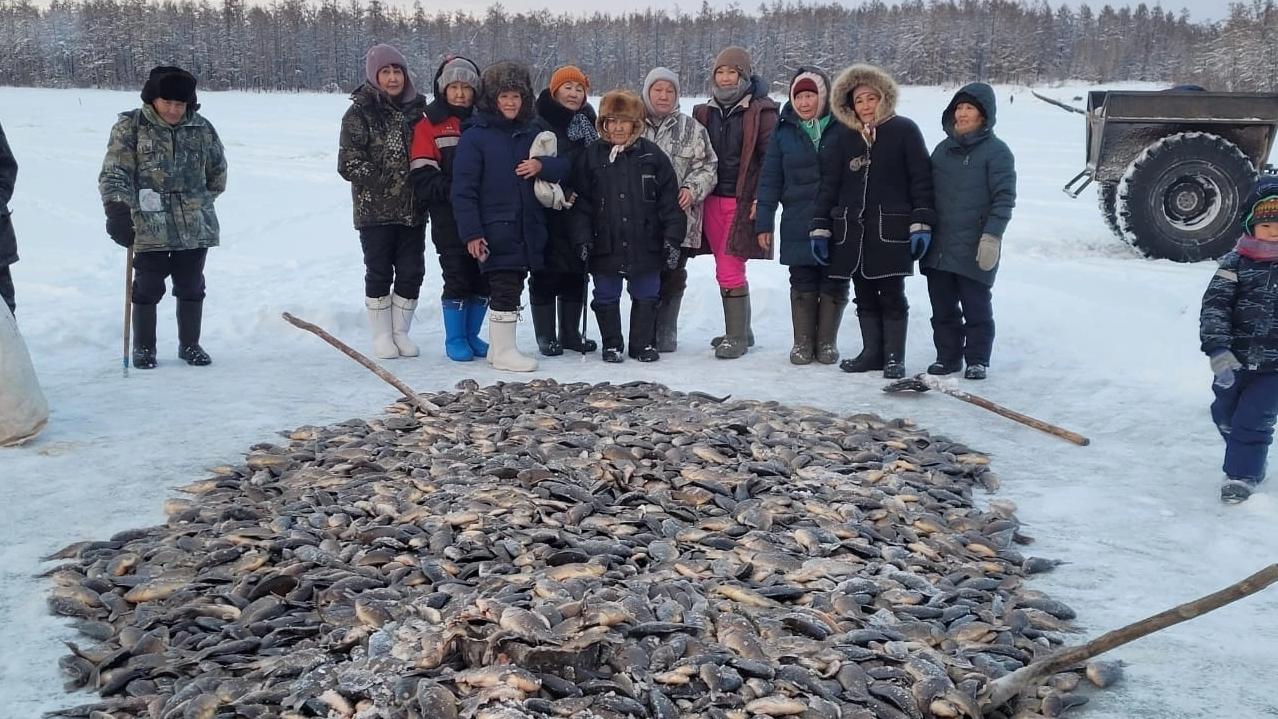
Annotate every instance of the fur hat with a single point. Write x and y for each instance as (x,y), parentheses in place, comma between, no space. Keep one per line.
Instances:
(734,57)
(1266,210)
(380,56)
(852,78)
(622,104)
(655,75)
(812,79)
(456,69)
(565,75)
(507,76)
(168,82)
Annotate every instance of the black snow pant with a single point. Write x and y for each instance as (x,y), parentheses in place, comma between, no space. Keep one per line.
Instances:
(962,318)
(6,288)
(882,298)
(813,278)
(462,278)
(544,286)
(393,255)
(507,287)
(151,269)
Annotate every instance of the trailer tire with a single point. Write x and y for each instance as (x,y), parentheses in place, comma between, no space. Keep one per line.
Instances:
(1107,198)
(1179,199)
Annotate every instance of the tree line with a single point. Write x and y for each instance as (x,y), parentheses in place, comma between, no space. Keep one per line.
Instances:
(303,45)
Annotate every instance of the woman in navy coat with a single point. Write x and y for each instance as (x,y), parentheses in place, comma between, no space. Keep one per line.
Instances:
(498,215)
(791,174)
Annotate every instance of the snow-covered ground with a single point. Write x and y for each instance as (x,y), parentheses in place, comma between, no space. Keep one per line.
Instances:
(1090,337)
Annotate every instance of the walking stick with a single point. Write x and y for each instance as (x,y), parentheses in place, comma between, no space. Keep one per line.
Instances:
(128,307)
(585,311)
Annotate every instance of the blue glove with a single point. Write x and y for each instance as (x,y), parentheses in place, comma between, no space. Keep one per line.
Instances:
(1223,364)
(820,249)
(919,242)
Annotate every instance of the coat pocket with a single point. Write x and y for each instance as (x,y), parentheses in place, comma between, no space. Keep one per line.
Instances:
(844,229)
(894,226)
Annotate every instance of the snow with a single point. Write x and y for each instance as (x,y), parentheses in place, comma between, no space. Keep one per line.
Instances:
(1091,337)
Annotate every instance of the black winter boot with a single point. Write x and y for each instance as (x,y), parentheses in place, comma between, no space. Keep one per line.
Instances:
(871,357)
(894,347)
(189,315)
(609,318)
(803,315)
(570,321)
(643,331)
(543,317)
(144,336)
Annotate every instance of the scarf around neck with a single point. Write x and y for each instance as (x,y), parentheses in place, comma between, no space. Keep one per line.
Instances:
(1256,249)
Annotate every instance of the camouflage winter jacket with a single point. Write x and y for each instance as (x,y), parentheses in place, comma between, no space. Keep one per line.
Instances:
(377,135)
(687,144)
(168,175)
(1240,312)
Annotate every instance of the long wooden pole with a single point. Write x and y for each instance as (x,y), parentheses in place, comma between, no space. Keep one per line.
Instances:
(1004,688)
(426,407)
(936,384)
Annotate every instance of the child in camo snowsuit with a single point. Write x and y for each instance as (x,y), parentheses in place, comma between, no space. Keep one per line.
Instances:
(1240,336)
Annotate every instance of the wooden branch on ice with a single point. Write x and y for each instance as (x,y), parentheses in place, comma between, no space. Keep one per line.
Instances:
(1004,688)
(426,407)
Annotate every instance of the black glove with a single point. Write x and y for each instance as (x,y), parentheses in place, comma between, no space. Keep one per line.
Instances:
(119,223)
(673,254)
(583,251)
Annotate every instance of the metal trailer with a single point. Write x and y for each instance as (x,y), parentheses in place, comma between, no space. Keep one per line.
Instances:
(1173,166)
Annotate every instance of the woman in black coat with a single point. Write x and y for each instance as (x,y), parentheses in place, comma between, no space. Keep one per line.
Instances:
(627,223)
(8,242)
(873,213)
(560,286)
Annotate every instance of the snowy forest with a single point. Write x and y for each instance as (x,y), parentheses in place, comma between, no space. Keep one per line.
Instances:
(295,45)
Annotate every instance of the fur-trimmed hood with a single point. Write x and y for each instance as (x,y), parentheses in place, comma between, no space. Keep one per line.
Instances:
(504,76)
(848,80)
(624,105)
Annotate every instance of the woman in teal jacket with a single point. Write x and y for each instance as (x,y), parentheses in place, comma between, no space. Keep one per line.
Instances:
(974,176)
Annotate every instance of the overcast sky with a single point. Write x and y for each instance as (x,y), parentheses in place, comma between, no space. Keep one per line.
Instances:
(1199,10)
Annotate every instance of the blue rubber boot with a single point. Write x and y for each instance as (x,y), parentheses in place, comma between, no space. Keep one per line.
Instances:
(476,309)
(455,344)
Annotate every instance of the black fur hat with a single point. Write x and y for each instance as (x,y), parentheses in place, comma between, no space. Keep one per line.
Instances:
(168,82)
(505,76)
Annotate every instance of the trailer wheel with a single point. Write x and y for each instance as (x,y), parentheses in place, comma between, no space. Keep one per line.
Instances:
(1179,199)
(1107,198)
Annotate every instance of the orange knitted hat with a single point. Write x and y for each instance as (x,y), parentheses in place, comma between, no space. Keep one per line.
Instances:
(566,74)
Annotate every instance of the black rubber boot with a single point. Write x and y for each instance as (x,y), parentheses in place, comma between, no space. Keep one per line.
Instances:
(543,317)
(871,357)
(894,347)
(144,336)
(189,315)
(643,331)
(803,315)
(570,321)
(736,323)
(609,318)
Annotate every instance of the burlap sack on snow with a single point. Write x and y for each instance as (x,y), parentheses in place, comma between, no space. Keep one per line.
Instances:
(23,410)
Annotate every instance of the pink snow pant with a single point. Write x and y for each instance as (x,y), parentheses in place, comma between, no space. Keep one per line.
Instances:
(717,213)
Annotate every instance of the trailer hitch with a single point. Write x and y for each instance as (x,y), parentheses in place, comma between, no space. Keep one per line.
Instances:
(1073,190)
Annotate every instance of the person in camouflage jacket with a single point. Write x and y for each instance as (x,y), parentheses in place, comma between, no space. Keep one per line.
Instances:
(1238,333)
(164,168)
(373,155)
(687,144)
